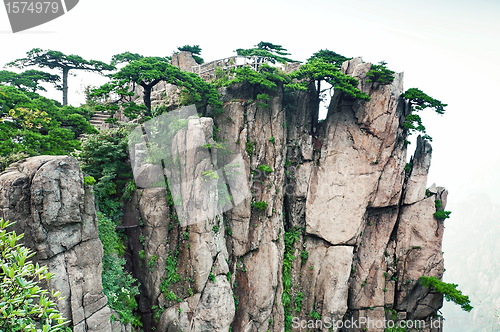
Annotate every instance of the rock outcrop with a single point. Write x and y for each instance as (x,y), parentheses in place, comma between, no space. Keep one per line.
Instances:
(48,202)
(336,225)
(259,218)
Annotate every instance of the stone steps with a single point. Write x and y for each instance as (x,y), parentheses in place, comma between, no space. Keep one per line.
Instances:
(98,120)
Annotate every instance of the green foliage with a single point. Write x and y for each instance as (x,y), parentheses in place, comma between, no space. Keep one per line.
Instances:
(209,175)
(330,57)
(380,74)
(324,66)
(29,80)
(442,215)
(291,236)
(104,156)
(449,291)
(266,78)
(195,50)
(413,122)
(171,275)
(24,304)
(129,190)
(152,261)
(304,255)
(147,72)
(263,96)
(118,285)
(272,52)
(88,180)
(36,125)
(260,205)
(169,295)
(58,60)
(299,297)
(438,203)
(395,329)
(265,168)
(315,315)
(272,139)
(211,277)
(125,57)
(408,167)
(250,148)
(420,101)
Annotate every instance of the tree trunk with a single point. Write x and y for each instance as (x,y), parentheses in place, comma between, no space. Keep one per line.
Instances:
(147,94)
(147,97)
(65,86)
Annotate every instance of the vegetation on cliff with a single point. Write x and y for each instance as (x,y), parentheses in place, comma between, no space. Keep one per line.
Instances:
(449,291)
(24,303)
(35,125)
(63,62)
(32,125)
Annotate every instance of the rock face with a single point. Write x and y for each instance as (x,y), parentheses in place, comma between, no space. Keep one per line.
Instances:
(257,219)
(336,225)
(46,198)
(184,61)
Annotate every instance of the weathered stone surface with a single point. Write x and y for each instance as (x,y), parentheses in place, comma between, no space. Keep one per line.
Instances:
(361,160)
(370,281)
(362,229)
(420,164)
(46,198)
(184,61)
(418,253)
(181,241)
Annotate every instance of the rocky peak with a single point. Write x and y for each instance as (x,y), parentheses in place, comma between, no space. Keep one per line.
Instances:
(48,202)
(330,225)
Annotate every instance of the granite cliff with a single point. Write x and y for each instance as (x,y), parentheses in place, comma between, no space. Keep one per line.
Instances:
(335,225)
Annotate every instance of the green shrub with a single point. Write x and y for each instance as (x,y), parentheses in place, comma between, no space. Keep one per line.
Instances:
(260,205)
(171,275)
(442,215)
(24,305)
(39,125)
(250,147)
(418,100)
(265,168)
(315,315)
(104,156)
(298,301)
(263,96)
(449,291)
(380,74)
(152,261)
(88,180)
(291,236)
(118,285)
(304,255)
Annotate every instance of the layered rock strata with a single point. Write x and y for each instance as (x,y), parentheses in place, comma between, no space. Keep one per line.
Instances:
(49,204)
(337,225)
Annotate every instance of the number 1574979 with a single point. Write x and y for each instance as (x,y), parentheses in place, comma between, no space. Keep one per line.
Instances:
(32,7)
